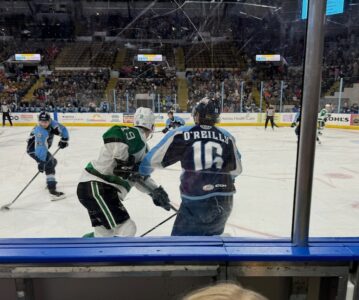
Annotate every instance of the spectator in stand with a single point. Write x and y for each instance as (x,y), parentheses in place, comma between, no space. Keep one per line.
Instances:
(345,109)
(354,108)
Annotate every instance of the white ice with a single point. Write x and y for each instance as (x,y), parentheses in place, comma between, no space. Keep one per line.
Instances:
(265,190)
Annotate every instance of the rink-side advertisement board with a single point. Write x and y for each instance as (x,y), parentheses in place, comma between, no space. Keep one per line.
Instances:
(23,117)
(239,118)
(339,120)
(354,121)
(345,121)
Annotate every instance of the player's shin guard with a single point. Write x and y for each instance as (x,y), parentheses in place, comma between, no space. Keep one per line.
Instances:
(127,228)
(51,182)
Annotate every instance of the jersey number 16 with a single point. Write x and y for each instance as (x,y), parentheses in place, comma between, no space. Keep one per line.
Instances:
(210,158)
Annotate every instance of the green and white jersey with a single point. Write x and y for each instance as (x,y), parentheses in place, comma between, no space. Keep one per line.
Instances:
(119,143)
(323,114)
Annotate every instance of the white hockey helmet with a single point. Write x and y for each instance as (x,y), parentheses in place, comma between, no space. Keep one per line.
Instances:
(145,118)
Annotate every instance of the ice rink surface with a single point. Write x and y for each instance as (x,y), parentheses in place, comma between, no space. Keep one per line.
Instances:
(263,204)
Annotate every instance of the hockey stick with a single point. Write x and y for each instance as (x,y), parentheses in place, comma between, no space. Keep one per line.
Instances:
(144,185)
(158,225)
(7,206)
(157,131)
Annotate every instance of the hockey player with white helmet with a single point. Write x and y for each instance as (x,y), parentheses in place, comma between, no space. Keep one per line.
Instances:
(210,162)
(106,181)
(323,116)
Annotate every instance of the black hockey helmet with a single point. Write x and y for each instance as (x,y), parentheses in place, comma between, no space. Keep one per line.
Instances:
(208,111)
(44,116)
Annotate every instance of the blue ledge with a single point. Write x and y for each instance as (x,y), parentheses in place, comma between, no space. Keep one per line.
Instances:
(174,249)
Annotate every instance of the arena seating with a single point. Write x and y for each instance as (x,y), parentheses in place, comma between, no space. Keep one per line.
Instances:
(208,55)
(71,89)
(86,54)
(15,87)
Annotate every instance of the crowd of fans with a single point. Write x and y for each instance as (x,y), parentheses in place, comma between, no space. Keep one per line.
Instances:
(157,86)
(239,86)
(13,88)
(72,89)
(145,71)
(341,60)
(349,109)
(72,107)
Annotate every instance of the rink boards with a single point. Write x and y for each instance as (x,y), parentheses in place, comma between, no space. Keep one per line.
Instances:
(343,121)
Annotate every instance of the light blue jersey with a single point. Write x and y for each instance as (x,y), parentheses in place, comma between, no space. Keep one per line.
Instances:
(175,122)
(41,139)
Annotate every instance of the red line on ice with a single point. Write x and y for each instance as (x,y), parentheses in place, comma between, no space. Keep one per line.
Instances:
(243,228)
(254,231)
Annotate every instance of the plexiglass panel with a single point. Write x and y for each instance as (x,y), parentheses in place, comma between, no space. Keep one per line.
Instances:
(335,202)
(235,63)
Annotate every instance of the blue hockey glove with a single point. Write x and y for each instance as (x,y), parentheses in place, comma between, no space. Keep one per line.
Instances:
(160,198)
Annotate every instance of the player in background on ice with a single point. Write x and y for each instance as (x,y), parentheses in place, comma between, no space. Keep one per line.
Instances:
(270,112)
(296,124)
(323,116)
(38,145)
(173,122)
(210,161)
(5,109)
(106,181)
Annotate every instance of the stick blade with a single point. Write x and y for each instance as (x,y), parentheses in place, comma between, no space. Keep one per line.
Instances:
(5,207)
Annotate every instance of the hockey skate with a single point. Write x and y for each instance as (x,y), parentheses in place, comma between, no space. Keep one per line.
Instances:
(56,195)
(89,235)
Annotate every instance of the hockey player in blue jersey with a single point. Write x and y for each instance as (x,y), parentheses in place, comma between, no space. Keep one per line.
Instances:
(173,122)
(210,162)
(296,123)
(38,145)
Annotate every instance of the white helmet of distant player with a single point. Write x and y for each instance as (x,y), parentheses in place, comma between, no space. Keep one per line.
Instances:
(145,118)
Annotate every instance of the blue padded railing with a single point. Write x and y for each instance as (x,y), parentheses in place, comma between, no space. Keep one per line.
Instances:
(174,249)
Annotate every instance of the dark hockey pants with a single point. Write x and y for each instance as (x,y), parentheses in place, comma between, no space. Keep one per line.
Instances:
(203,217)
(102,203)
(50,172)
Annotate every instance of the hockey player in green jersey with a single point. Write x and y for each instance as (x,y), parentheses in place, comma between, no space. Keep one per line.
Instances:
(106,181)
(323,115)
